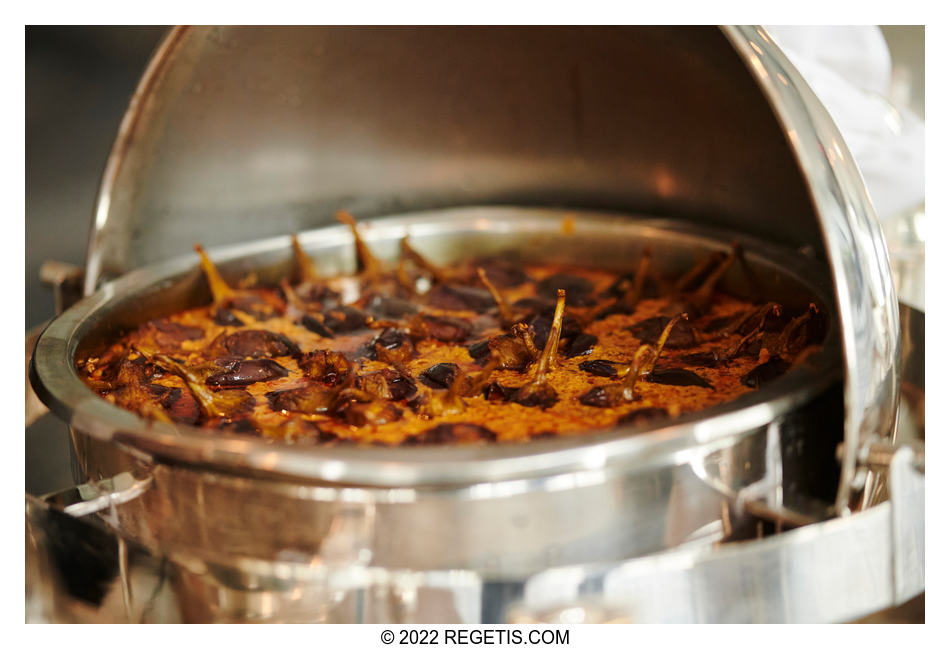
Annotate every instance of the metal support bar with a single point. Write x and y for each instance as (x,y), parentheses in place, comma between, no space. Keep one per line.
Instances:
(66,281)
(834,571)
(93,497)
(907,520)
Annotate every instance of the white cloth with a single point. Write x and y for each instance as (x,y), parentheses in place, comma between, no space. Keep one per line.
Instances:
(849,69)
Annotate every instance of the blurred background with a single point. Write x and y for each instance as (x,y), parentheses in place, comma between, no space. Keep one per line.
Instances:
(906,43)
(78,84)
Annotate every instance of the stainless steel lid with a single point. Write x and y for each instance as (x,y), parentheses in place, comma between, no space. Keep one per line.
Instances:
(239,133)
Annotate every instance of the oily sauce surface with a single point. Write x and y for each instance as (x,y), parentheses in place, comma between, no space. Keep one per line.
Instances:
(254,361)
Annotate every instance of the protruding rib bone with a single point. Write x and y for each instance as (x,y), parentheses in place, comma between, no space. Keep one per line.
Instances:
(549,355)
(537,392)
(366,261)
(793,326)
(408,252)
(295,306)
(760,314)
(698,270)
(523,331)
(648,367)
(504,309)
(644,358)
(633,295)
(305,266)
(220,290)
(703,294)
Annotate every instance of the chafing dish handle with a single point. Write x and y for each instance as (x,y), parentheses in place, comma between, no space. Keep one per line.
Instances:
(713,584)
(99,496)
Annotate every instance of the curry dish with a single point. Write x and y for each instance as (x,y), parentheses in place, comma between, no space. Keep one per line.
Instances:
(489,350)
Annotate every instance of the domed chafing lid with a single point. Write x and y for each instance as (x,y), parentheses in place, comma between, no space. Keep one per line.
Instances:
(238,133)
(854,245)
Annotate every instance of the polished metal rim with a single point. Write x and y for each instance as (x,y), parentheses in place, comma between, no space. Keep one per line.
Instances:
(854,244)
(57,383)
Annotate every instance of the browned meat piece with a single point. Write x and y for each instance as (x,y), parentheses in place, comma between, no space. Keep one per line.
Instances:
(133,391)
(703,359)
(308,399)
(440,375)
(393,346)
(511,352)
(329,368)
(315,324)
(677,376)
(253,343)
(457,297)
(444,329)
(246,372)
(215,404)
(373,413)
(580,346)
(342,318)
(503,273)
(450,401)
(540,324)
(387,384)
(383,306)
(479,350)
(455,433)
(649,331)
(181,406)
(642,416)
(167,334)
(600,367)
(294,429)
(578,289)
(767,371)
(498,393)
(422,326)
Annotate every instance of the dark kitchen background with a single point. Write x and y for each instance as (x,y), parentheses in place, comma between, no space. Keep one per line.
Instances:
(78,84)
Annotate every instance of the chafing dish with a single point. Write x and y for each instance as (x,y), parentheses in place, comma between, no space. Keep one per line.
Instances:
(472,140)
